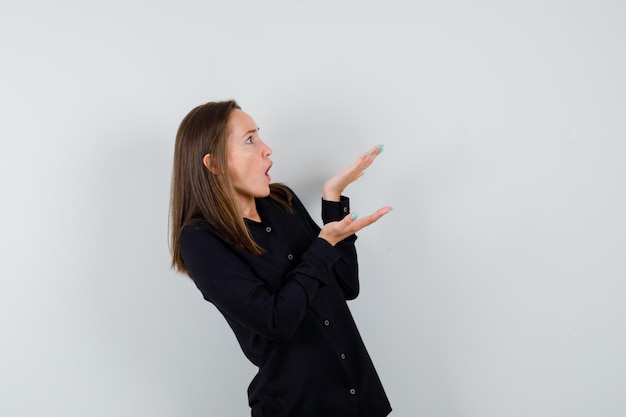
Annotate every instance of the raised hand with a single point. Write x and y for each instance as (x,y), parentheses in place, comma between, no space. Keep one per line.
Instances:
(333,188)
(335,232)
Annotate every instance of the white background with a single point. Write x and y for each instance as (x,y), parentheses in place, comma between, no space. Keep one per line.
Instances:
(497,286)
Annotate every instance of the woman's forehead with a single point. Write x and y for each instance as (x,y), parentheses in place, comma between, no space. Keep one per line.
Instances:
(240,122)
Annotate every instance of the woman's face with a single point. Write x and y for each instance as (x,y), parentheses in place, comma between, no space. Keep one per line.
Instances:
(248,157)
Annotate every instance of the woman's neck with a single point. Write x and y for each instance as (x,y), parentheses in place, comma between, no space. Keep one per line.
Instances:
(248,209)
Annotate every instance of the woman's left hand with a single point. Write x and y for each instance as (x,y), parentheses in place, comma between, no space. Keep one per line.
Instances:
(333,188)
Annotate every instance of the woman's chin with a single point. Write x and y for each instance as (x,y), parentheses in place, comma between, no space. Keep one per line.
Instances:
(265,192)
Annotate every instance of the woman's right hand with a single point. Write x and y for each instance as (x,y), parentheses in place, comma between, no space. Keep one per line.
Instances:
(333,188)
(335,232)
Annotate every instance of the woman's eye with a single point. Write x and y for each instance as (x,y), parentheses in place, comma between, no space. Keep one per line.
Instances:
(249,140)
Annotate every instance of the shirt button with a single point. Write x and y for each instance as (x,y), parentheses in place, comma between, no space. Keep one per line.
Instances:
(290,257)
(352,391)
(326,323)
(268,229)
(345,209)
(343,356)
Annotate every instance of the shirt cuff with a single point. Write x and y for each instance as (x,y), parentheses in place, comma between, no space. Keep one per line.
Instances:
(333,211)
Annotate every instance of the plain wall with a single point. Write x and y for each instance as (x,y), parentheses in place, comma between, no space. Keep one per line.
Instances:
(497,286)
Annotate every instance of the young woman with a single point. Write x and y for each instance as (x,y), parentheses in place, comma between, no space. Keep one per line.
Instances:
(279,279)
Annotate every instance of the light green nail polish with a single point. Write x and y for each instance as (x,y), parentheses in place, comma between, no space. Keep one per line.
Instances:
(367,153)
(354,216)
(381,148)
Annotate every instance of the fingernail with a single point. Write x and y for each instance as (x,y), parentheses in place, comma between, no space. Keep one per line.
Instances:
(354,216)
(381,148)
(367,153)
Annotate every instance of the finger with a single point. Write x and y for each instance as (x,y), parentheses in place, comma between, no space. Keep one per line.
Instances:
(354,171)
(366,159)
(357,223)
(376,150)
(374,217)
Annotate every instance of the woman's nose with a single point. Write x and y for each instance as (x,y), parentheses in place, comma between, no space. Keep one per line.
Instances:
(267,151)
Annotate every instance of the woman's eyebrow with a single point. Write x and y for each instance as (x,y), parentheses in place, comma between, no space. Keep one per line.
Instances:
(251,131)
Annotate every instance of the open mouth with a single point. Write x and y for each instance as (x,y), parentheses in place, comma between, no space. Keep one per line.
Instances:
(267,173)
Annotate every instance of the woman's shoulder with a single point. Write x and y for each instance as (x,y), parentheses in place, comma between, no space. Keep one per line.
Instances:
(196,224)
(198,229)
(199,240)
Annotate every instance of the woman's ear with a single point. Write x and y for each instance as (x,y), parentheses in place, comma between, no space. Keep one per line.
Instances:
(207,160)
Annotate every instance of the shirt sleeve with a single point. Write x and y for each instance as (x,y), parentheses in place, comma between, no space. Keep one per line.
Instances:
(227,278)
(347,268)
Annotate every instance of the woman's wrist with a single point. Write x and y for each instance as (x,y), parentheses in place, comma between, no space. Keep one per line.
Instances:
(331,195)
(324,236)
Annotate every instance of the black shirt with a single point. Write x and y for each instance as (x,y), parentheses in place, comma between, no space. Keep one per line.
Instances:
(288,310)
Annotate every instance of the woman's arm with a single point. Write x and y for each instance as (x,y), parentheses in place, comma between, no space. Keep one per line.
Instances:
(347,268)
(226,277)
(334,232)
(340,228)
